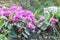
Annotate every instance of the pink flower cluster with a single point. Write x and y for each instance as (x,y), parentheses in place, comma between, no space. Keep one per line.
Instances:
(53,20)
(31,26)
(42,18)
(18,14)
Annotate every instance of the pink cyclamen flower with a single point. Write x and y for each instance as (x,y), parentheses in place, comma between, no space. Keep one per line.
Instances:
(12,19)
(19,13)
(24,12)
(31,15)
(5,13)
(1,11)
(18,17)
(13,8)
(31,26)
(27,19)
(35,22)
(42,18)
(29,12)
(19,8)
(53,20)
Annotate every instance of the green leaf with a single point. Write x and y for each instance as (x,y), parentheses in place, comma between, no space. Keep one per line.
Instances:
(1,22)
(4,17)
(9,26)
(6,23)
(43,28)
(25,35)
(3,37)
(1,25)
(37,14)
(6,31)
(18,25)
(47,16)
(27,32)
(57,16)
(12,34)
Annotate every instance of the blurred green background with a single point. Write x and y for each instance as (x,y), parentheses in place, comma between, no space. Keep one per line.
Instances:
(32,5)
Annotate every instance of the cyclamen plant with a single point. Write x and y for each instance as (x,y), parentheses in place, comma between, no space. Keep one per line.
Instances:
(14,21)
(50,16)
(50,20)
